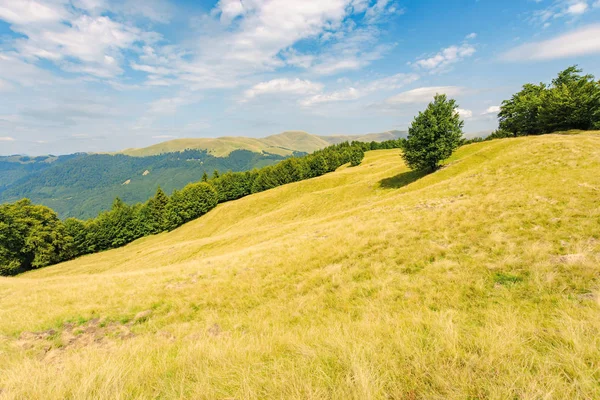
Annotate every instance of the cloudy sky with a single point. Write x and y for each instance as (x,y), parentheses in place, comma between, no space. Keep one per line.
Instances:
(103,75)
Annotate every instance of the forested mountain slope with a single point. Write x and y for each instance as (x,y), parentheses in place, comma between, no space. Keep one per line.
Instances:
(477,281)
(84,185)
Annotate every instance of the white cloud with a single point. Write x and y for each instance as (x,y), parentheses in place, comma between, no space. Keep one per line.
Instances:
(444,58)
(29,11)
(74,36)
(561,9)
(6,139)
(577,8)
(465,114)
(390,83)
(471,36)
(492,110)
(229,10)
(423,94)
(23,73)
(580,42)
(260,35)
(4,85)
(283,85)
(342,95)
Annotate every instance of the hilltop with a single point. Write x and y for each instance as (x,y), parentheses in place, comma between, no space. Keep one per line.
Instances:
(477,281)
(283,144)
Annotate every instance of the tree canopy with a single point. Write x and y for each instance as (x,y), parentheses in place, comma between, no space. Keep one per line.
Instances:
(434,134)
(571,101)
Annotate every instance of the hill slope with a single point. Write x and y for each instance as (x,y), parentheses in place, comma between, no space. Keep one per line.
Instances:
(283,144)
(477,281)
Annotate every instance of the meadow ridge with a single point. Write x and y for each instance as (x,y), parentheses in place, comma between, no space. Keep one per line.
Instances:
(372,282)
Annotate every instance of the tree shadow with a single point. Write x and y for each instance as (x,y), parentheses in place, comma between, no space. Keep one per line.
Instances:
(402,179)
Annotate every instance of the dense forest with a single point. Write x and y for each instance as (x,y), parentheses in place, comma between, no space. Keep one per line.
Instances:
(82,185)
(33,236)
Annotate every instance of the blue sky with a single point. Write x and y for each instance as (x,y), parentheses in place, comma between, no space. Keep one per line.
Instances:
(103,75)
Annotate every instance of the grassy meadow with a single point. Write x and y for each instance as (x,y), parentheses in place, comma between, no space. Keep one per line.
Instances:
(479,281)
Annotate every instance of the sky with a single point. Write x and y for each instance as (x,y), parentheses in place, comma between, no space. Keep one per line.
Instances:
(104,75)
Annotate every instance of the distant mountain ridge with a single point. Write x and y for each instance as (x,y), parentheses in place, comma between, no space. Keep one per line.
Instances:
(283,144)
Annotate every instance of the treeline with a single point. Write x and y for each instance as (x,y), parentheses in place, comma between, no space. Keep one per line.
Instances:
(570,101)
(32,236)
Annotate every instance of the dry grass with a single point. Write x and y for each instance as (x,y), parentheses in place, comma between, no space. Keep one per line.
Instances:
(478,281)
(283,144)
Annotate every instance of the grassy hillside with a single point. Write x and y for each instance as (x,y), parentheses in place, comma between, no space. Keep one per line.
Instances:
(369,137)
(283,144)
(373,282)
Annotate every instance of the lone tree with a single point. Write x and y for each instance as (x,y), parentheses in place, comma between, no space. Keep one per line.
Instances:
(434,134)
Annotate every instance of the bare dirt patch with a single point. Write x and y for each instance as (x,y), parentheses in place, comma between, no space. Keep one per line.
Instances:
(50,344)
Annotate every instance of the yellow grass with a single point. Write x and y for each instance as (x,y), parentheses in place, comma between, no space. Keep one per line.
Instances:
(477,281)
(282,144)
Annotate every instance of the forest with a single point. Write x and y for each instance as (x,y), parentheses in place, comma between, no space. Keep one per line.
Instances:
(82,185)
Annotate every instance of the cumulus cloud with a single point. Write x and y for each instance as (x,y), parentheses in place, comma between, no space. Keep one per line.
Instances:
(492,110)
(424,94)
(463,113)
(450,55)
(580,42)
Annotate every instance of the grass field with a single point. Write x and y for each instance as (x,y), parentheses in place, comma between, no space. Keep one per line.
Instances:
(479,281)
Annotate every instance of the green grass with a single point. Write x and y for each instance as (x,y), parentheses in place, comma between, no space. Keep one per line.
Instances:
(373,282)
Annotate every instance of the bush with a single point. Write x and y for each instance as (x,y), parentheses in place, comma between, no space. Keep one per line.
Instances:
(434,134)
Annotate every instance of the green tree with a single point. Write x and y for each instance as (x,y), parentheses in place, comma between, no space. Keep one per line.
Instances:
(204,177)
(520,115)
(31,236)
(157,206)
(571,101)
(434,134)
(356,155)
(191,202)
(318,166)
